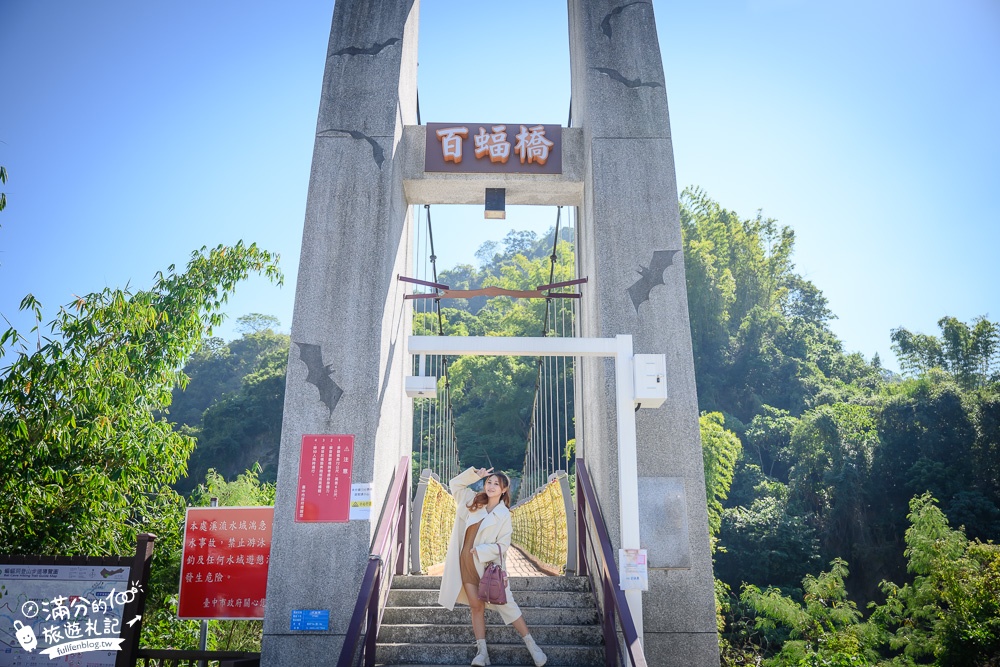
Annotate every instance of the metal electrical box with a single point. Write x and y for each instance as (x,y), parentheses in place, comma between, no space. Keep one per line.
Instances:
(421,386)
(650,376)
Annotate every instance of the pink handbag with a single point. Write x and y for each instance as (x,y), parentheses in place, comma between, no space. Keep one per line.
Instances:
(493,583)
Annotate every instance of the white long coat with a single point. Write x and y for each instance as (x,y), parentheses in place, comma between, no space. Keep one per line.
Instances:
(494,528)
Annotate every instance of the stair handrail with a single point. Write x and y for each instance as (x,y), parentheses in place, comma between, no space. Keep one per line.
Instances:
(386,547)
(590,523)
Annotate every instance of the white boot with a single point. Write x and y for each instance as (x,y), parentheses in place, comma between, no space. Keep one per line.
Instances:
(536,653)
(483,657)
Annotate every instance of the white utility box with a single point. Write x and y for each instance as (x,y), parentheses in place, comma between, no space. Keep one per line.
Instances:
(421,386)
(650,375)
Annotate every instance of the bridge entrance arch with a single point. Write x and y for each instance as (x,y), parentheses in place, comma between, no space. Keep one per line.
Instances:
(619,350)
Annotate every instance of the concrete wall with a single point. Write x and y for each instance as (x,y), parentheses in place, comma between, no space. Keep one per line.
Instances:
(630,212)
(348,302)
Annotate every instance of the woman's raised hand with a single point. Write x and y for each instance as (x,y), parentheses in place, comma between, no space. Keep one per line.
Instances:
(483,472)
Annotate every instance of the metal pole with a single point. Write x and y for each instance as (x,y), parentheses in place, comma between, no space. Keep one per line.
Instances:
(628,464)
(203,635)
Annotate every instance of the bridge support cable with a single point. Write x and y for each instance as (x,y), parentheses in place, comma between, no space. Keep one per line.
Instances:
(435,443)
(549,429)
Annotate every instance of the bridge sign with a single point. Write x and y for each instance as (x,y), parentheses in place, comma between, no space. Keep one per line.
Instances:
(497,148)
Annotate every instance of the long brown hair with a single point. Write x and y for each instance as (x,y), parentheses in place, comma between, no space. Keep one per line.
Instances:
(481,498)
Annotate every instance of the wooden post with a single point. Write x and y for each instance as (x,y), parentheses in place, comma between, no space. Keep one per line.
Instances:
(139,577)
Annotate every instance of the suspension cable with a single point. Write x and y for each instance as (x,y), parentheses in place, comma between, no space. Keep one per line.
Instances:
(442,439)
(548,430)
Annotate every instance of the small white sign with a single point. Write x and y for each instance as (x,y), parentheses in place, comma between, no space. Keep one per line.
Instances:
(634,575)
(361,502)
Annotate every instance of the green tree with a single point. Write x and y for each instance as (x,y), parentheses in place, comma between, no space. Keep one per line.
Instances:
(212,371)
(465,277)
(767,440)
(826,627)
(244,428)
(970,353)
(985,465)
(160,626)
(759,330)
(492,398)
(766,543)
(755,252)
(950,613)
(87,463)
(927,440)
(453,322)
(217,369)
(233,404)
(505,316)
(720,450)
(832,448)
(254,323)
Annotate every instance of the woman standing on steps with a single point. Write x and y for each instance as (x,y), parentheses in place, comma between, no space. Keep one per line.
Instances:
(482,529)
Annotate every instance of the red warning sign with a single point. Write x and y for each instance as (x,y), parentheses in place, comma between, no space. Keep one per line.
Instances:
(325,478)
(224,562)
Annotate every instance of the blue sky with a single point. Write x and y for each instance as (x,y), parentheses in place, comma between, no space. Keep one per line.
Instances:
(136,132)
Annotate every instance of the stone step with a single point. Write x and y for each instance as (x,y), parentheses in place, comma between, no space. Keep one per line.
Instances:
(500,654)
(425,633)
(571,584)
(583,615)
(429,598)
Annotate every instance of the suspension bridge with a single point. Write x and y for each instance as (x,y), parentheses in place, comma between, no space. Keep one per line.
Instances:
(613,564)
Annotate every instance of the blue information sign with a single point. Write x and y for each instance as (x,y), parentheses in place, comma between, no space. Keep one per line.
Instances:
(310,619)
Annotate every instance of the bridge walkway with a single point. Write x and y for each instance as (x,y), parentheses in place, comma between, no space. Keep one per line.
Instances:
(518,564)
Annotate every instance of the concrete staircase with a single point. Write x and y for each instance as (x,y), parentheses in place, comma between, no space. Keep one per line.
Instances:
(560,613)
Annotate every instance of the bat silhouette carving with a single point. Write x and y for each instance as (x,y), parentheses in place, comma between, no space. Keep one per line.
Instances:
(606,23)
(318,375)
(650,277)
(615,75)
(372,50)
(377,153)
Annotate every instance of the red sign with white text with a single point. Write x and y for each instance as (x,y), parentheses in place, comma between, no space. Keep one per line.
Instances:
(224,563)
(325,478)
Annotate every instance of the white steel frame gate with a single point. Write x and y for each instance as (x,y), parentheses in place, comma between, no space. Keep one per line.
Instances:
(618,348)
